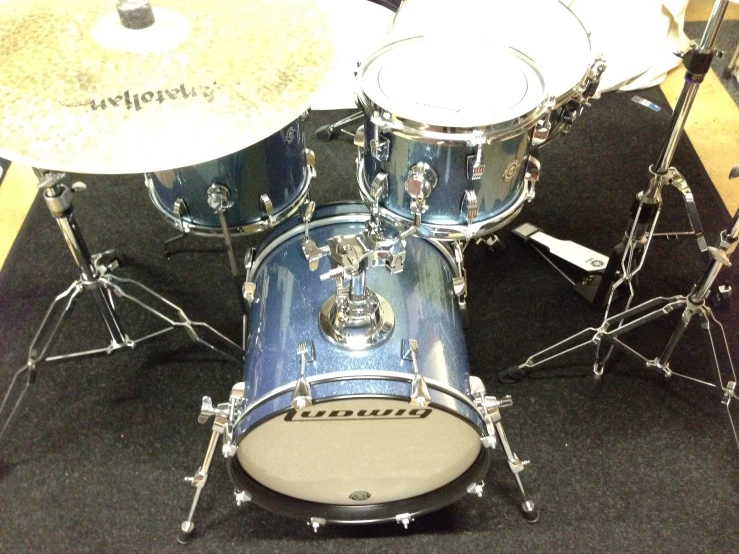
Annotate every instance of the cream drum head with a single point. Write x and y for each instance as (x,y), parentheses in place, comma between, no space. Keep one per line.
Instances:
(441,83)
(359,451)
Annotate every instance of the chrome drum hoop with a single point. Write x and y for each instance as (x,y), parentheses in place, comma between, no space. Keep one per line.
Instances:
(443,232)
(369,375)
(350,514)
(248,229)
(451,136)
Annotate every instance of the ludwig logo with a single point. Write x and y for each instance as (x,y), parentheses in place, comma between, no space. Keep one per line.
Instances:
(356,415)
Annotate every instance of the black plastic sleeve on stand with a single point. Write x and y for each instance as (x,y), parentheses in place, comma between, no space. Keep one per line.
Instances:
(647,212)
(697,63)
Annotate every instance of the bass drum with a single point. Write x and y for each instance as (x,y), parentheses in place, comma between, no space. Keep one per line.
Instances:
(361,453)
(545,30)
(264,183)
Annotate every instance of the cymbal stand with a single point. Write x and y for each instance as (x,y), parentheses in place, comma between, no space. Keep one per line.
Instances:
(648,203)
(631,253)
(98,279)
(694,304)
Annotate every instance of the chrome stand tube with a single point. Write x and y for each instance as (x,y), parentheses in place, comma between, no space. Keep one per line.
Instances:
(59,201)
(235,274)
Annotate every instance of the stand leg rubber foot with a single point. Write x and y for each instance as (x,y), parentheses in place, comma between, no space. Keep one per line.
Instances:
(511,375)
(530,511)
(185,533)
(594,386)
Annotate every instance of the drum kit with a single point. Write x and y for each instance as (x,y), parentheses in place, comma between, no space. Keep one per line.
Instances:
(215,122)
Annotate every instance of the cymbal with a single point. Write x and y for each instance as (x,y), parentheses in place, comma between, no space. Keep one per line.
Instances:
(79,92)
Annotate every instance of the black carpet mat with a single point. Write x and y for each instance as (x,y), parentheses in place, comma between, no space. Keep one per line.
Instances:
(96,460)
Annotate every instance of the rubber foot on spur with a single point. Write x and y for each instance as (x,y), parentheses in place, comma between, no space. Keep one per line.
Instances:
(185,533)
(530,511)
(324,133)
(511,375)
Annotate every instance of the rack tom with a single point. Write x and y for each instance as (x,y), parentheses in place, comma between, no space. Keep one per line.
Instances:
(461,135)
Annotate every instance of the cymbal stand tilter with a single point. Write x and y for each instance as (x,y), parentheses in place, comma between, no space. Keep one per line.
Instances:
(693,304)
(104,286)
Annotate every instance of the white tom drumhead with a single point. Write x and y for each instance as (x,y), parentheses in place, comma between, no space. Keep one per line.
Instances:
(444,83)
(359,451)
(545,30)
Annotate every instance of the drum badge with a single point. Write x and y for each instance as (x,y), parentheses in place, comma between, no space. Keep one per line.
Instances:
(359,495)
(511,171)
(289,135)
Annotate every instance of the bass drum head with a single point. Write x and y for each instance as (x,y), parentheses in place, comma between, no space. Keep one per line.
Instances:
(545,30)
(359,459)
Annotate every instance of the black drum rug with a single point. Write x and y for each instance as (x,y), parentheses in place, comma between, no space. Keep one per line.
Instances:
(96,460)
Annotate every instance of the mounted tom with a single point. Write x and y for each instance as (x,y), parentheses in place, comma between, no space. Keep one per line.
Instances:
(456,147)
(254,189)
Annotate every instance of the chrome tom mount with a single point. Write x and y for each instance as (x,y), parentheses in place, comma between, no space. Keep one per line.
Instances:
(356,317)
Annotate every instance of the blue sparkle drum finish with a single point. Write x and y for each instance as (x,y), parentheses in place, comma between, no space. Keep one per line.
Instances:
(276,167)
(361,453)
(475,136)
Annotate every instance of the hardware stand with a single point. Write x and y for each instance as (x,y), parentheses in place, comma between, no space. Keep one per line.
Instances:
(631,253)
(692,305)
(104,286)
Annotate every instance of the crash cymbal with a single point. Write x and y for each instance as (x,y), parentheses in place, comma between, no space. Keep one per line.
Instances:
(80,92)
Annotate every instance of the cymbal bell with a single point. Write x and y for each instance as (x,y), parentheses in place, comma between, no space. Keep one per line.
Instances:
(80,92)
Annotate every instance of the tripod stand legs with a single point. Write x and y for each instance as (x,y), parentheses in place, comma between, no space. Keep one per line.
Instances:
(35,356)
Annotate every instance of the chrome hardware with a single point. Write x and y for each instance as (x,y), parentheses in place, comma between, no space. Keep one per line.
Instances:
(310,162)
(475,165)
(219,198)
(316,523)
(404,519)
(301,394)
(729,393)
(540,132)
(180,210)
(359,137)
(241,497)
(421,180)
(420,395)
(379,186)
(476,488)
(380,149)
(533,169)
(459,284)
(379,145)
(355,317)
(268,209)
(249,289)
(470,205)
